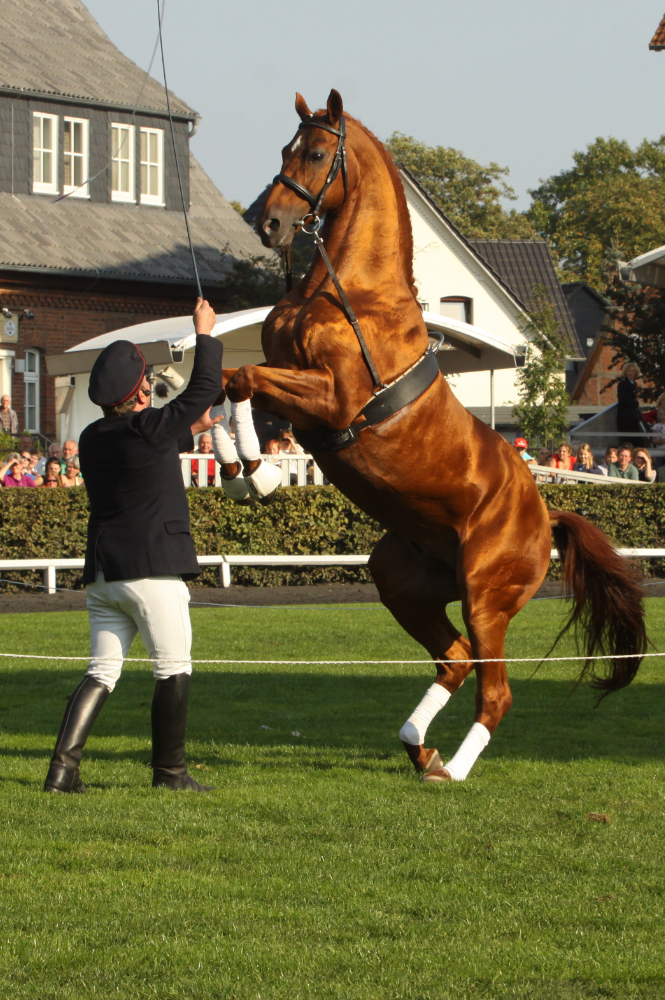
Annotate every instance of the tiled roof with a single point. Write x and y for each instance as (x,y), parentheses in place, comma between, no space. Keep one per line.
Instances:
(521,264)
(658,41)
(125,241)
(56,48)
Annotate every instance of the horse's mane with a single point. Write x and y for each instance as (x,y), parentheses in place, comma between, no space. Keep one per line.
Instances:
(403,217)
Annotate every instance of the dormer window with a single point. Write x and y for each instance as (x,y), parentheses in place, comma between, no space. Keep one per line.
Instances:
(76,157)
(122,160)
(152,166)
(44,153)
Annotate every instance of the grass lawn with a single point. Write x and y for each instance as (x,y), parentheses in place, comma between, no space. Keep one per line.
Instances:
(320,867)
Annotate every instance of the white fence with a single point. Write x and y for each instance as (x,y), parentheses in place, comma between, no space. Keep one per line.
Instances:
(50,567)
(303,468)
(543,475)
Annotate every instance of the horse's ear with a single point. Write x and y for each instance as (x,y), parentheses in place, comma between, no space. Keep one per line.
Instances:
(335,107)
(301,108)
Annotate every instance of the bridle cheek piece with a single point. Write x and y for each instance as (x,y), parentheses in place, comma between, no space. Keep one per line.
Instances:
(338,163)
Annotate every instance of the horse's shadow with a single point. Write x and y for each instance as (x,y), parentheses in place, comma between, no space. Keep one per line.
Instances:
(359,716)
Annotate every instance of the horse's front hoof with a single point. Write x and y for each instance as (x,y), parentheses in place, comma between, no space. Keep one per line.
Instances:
(422,759)
(438,774)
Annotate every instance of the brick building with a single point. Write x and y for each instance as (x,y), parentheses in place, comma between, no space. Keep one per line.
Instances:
(78,118)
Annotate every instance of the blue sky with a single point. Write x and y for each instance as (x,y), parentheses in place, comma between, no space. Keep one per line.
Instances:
(520,82)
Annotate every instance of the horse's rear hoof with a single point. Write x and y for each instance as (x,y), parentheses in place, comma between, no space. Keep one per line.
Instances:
(438,774)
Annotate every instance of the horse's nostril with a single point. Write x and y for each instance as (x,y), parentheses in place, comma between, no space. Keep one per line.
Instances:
(272,225)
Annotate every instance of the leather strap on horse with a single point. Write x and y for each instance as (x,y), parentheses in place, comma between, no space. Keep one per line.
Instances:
(404,390)
(315,201)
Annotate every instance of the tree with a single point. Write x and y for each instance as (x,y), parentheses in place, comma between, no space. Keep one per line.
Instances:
(468,193)
(610,203)
(635,328)
(542,408)
(254,281)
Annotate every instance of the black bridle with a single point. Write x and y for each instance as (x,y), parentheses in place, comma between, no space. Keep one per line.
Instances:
(311,223)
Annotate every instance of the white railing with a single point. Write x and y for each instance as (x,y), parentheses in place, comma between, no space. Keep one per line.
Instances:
(542,474)
(296,465)
(49,567)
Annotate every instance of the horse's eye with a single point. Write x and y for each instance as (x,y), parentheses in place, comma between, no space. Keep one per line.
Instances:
(316,157)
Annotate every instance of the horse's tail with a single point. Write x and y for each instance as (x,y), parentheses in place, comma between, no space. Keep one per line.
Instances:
(607,600)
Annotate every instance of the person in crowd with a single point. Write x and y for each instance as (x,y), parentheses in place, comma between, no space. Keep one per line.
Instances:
(70,449)
(15,476)
(643,464)
(521,445)
(204,448)
(543,455)
(289,443)
(656,420)
(8,418)
(54,451)
(623,468)
(629,418)
(71,476)
(275,453)
(585,461)
(29,463)
(564,456)
(52,474)
(552,463)
(611,455)
(140,550)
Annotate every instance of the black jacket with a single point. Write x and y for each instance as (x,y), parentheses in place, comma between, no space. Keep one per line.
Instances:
(139,516)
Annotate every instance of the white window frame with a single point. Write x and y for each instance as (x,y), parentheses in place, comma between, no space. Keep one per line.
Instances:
(130,195)
(32,378)
(78,191)
(42,187)
(154,199)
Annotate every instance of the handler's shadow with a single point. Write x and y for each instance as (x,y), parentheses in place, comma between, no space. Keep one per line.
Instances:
(549,720)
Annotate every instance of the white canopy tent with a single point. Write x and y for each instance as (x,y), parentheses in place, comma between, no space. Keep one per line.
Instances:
(647,269)
(465,348)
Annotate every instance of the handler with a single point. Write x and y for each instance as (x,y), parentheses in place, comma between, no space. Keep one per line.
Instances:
(140,549)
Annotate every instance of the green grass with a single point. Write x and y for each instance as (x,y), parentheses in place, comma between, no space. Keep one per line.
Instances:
(320,867)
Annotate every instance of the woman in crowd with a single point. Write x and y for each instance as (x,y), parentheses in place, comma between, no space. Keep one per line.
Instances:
(564,456)
(629,418)
(52,474)
(611,456)
(644,466)
(543,455)
(585,461)
(71,476)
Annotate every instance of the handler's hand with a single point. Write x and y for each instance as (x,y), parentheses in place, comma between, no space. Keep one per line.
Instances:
(204,317)
(205,422)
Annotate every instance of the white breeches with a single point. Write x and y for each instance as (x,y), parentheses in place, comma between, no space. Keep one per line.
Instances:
(156,607)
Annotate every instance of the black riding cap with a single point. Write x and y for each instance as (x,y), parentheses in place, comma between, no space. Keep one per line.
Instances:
(116,374)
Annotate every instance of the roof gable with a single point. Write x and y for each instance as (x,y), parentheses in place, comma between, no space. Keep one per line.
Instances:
(56,49)
(657,43)
(523,264)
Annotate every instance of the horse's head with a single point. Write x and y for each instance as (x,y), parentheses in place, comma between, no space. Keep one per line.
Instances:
(309,161)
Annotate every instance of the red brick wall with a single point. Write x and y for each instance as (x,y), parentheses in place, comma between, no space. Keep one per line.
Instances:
(600,375)
(65,317)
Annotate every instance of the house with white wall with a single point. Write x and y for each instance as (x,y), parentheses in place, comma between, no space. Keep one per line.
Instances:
(488,283)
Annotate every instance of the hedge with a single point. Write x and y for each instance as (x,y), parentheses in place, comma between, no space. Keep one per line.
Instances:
(310,519)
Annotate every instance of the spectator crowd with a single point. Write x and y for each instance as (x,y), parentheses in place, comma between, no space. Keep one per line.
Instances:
(624,461)
(28,467)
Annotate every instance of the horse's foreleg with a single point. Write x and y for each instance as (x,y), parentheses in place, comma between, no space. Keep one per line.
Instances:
(416,587)
(306,398)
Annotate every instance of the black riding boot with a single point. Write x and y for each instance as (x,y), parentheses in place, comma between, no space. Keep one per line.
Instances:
(169,725)
(83,708)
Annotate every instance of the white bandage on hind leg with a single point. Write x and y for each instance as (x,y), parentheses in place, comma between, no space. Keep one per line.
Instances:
(247,441)
(476,740)
(415,728)
(222,445)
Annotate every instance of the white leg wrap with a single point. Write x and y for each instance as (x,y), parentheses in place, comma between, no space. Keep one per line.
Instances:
(247,441)
(475,742)
(415,728)
(264,480)
(222,445)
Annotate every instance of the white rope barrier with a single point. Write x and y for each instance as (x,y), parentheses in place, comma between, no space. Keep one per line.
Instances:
(337,663)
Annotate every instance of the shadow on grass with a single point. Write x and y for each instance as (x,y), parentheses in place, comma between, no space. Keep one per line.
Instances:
(549,720)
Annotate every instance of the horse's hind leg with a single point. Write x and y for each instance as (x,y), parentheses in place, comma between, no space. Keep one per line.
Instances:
(416,588)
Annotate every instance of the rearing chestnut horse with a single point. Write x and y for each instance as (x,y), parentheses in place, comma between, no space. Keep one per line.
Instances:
(463,515)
